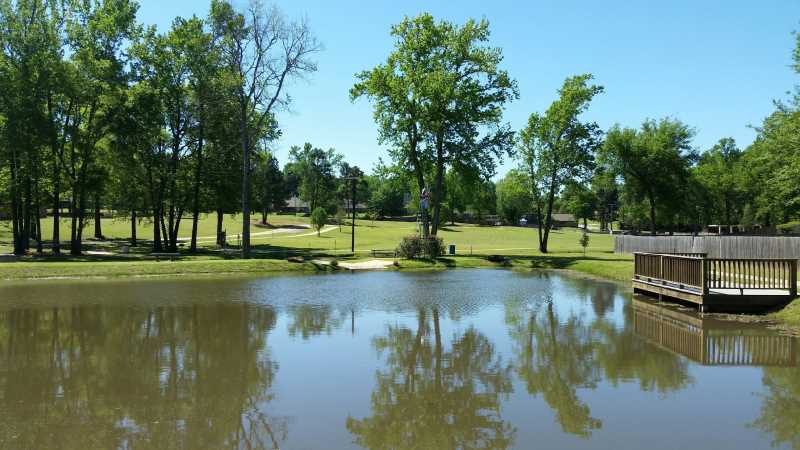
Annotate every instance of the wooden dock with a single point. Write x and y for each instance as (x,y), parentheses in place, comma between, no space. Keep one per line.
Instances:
(710,341)
(716,284)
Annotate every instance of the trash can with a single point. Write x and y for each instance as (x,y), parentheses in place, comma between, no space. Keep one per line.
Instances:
(451,249)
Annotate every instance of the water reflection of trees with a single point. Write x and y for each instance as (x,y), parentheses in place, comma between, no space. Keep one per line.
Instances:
(556,356)
(436,395)
(172,377)
(780,408)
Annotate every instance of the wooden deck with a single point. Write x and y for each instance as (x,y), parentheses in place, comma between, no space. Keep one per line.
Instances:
(716,284)
(710,341)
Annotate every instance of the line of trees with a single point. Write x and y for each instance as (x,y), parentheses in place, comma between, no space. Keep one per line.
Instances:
(438,102)
(101,110)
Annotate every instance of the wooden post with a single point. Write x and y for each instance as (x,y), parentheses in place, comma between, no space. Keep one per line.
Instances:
(793,278)
(661,268)
(704,276)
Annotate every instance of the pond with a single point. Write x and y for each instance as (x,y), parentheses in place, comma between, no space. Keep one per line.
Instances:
(455,359)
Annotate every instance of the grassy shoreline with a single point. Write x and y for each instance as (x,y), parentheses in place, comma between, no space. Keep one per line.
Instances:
(516,244)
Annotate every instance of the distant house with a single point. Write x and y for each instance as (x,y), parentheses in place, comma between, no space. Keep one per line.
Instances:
(564,220)
(295,205)
(360,207)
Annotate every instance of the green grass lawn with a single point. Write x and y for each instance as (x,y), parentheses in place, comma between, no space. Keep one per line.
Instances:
(472,243)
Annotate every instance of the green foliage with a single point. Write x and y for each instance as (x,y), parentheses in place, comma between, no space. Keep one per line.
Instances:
(748,220)
(415,246)
(721,175)
(557,147)
(653,161)
(319,217)
(584,241)
(792,227)
(580,201)
(315,170)
(513,196)
(439,100)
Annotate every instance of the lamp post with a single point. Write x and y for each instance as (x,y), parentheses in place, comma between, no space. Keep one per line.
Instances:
(353,208)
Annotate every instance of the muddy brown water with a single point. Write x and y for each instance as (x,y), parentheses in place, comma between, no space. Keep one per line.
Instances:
(456,359)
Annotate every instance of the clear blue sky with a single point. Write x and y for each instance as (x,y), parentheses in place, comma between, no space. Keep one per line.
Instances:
(716,65)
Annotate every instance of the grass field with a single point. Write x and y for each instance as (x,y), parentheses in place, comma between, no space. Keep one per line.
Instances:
(473,244)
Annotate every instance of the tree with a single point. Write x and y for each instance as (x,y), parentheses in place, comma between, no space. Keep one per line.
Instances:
(319,217)
(584,240)
(719,172)
(557,147)
(315,170)
(513,196)
(438,102)
(653,161)
(264,52)
(579,201)
(268,184)
(388,187)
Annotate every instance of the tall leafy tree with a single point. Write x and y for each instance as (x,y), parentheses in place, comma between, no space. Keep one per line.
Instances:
(719,171)
(439,100)
(264,52)
(513,196)
(557,147)
(315,170)
(654,161)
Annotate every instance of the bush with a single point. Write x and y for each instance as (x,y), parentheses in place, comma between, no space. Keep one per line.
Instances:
(334,263)
(410,247)
(433,247)
(789,228)
(319,218)
(414,246)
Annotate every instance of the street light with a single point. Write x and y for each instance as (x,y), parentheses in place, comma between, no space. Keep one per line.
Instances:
(353,207)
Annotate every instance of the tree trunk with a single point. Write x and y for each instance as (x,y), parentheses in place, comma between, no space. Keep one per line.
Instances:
(38,221)
(134,242)
(77,244)
(56,212)
(652,214)
(245,136)
(545,235)
(156,229)
(98,229)
(436,195)
(197,176)
(220,217)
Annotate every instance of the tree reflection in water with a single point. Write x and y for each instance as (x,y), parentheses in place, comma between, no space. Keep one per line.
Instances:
(188,377)
(556,356)
(780,408)
(431,396)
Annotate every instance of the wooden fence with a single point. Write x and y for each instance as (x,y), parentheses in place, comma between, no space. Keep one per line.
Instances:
(728,247)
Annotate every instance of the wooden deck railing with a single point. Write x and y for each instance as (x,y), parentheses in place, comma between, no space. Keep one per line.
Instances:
(702,274)
(752,273)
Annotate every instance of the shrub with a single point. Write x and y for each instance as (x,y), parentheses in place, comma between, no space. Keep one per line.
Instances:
(334,263)
(433,247)
(789,227)
(414,246)
(410,247)
(318,219)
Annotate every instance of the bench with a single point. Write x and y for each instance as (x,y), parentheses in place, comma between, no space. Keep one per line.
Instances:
(170,256)
(384,254)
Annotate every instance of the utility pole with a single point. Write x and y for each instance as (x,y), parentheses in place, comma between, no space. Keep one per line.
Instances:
(353,225)
(353,207)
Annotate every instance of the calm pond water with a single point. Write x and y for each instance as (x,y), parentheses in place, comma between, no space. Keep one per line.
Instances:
(457,359)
